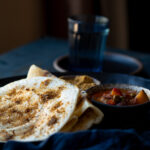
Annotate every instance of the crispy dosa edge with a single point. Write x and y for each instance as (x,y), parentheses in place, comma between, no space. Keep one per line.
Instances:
(35,71)
(88,115)
(79,119)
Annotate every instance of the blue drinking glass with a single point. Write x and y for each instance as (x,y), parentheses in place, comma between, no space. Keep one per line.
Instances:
(87,40)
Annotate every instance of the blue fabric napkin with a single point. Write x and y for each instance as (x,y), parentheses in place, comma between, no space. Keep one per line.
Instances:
(106,139)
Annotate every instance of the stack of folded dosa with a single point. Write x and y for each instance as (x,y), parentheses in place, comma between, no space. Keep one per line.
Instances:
(34,108)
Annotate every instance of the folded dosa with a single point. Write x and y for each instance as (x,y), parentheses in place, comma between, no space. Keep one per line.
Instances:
(85,114)
(32,109)
(35,71)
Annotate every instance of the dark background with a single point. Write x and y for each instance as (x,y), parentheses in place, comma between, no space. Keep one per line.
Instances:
(137,14)
(28,20)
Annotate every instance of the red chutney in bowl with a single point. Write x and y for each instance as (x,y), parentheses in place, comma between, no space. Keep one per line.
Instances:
(120,97)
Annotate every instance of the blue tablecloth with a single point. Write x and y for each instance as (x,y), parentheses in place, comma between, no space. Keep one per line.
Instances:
(113,139)
(44,51)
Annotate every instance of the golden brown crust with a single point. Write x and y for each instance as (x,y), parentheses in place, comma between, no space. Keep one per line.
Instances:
(83,82)
(35,71)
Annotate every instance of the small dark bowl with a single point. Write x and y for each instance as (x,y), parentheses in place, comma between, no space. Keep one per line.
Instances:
(124,116)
